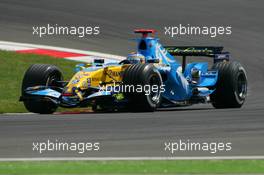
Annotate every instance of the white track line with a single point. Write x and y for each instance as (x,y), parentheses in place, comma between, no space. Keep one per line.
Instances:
(89,59)
(133,158)
(7,45)
(12,48)
(27,113)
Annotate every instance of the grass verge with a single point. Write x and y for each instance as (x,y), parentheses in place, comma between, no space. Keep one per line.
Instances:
(135,167)
(12,69)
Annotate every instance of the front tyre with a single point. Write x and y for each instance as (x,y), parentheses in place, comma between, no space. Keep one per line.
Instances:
(143,77)
(44,75)
(231,87)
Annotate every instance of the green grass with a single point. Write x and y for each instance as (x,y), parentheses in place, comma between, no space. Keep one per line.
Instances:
(134,167)
(12,69)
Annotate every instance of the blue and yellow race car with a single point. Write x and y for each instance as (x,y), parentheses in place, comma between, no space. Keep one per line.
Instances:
(151,78)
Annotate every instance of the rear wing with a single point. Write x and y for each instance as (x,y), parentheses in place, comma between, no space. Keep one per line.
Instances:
(206,51)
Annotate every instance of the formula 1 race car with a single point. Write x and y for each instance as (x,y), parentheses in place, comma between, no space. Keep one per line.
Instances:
(148,79)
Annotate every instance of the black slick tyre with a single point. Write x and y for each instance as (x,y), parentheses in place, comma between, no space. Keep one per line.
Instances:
(148,77)
(231,87)
(44,75)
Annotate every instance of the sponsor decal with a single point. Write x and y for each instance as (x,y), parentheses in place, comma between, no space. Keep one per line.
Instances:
(89,82)
(75,81)
(95,79)
(113,73)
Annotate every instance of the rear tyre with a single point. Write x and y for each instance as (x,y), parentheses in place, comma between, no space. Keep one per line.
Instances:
(231,87)
(44,75)
(149,79)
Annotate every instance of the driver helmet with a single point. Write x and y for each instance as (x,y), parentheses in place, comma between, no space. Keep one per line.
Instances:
(135,58)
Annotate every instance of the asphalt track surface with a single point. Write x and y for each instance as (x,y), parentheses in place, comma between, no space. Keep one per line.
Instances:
(141,134)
